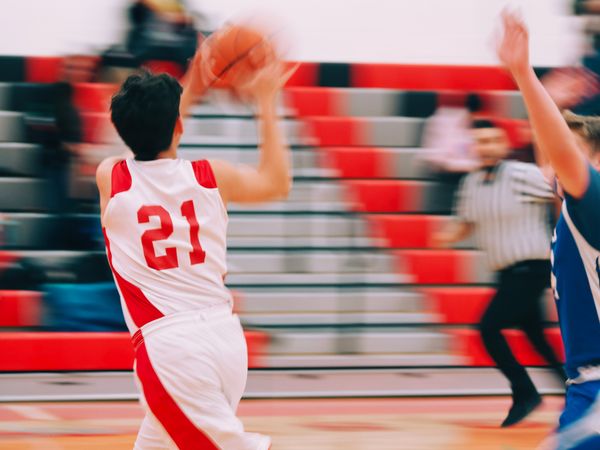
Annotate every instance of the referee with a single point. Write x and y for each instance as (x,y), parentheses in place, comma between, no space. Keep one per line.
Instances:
(507,206)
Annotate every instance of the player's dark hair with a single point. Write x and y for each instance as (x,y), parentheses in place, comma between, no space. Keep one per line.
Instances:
(145,112)
(588,127)
(483,123)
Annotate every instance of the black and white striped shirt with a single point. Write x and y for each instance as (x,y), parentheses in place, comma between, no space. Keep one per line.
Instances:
(510,213)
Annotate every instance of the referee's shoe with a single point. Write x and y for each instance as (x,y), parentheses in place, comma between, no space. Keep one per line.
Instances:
(521,409)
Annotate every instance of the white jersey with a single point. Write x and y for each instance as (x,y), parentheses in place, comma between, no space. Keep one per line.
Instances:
(165,229)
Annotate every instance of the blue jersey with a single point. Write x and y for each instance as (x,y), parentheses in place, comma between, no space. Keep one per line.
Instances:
(576,277)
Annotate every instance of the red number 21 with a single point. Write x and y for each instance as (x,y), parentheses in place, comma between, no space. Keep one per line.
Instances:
(169,259)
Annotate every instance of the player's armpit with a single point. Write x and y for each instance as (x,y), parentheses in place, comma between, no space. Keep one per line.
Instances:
(245,184)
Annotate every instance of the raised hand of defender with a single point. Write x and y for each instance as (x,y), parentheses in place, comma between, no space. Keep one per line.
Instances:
(513,48)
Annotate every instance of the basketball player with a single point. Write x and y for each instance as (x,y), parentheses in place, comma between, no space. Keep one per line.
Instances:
(576,243)
(165,222)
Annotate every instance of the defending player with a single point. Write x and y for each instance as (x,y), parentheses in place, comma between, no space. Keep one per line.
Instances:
(576,243)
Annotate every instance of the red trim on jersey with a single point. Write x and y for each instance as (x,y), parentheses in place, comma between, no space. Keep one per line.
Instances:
(120,178)
(181,429)
(141,310)
(204,174)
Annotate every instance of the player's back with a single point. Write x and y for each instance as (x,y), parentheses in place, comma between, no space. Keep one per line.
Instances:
(165,227)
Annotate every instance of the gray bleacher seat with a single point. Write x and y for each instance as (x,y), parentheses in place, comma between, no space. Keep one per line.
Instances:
(29,230)
(408,163)
(363,360)
(12,127)
(20,159)
(296,341)
(5,96)
(305,261)
(297,225)
(22,194)
(393,131)
(244,280)
(332,306)
(297,300)
(510,103)
(369,102)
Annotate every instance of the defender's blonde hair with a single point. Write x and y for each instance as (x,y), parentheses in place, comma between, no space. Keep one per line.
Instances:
(588,127)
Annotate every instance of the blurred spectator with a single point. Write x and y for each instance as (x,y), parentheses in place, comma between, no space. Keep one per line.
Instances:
(575,89)
(160,30)
(447,139)
(505,205)
(61,139)
(590,9)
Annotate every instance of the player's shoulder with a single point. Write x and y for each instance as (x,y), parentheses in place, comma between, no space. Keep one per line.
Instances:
(104,174)
(106,166)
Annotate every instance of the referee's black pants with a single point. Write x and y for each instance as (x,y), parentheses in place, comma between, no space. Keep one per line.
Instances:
(518,304)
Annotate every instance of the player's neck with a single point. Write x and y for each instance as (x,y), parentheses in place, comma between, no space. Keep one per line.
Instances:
(168,154)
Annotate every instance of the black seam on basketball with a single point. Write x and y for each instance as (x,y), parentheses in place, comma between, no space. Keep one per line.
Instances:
(237,60)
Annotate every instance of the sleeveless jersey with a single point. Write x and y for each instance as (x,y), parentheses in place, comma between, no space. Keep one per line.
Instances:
(576,279)
(165,229)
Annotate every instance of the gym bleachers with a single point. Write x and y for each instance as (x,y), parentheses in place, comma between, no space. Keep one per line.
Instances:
(340,275)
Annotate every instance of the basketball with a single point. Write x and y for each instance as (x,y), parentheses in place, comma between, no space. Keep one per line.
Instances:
(236,52)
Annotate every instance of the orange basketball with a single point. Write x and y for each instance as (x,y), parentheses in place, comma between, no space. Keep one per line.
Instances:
(236,52)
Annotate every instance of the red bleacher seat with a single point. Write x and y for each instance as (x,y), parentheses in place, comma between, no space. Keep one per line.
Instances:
(385,195)
(465,305)
(357,162)
(337,131)
(20,308)
(470,348)
(458,305)
(73,351)
(306,74)
(170,67)
(6,257)
(93,97)
(405,231)
(421,77)
(94,126)
(314,101)
(440,266)
(43,69)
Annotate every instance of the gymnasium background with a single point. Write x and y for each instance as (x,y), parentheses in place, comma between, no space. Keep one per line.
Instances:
(339,289)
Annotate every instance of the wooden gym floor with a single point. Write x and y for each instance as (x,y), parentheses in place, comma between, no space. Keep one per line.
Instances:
(349,424)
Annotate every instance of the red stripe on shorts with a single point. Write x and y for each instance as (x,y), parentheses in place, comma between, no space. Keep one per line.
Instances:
(181,429)
(139,307)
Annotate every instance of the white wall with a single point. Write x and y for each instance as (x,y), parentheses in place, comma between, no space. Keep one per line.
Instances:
(408,31)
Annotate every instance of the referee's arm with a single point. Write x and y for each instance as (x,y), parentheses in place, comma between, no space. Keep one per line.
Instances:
(461,227)
(456,231)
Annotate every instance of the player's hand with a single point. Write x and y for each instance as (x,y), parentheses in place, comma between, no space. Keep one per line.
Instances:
(195,78)
(513,48)
(266,83)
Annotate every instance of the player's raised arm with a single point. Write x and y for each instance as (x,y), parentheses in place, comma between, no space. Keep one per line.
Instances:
(271,180)
(554,139)
(194,84)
